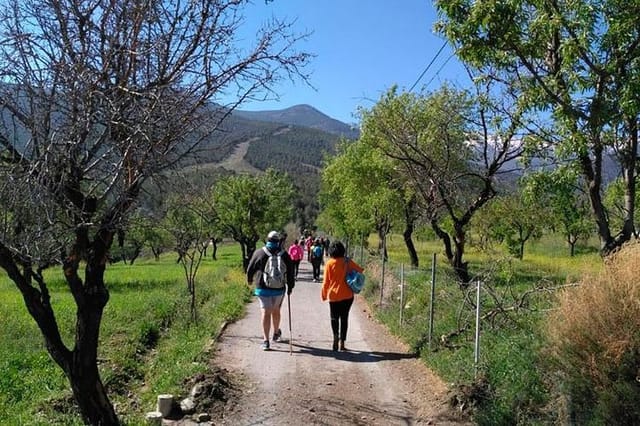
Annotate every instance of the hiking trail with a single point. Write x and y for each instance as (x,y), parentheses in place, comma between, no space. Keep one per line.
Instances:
(376,382)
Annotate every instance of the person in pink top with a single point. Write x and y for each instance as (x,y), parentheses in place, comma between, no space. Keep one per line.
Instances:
(296,253)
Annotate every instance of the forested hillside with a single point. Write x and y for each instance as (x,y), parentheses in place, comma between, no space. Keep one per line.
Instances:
(285,145)
(253,142)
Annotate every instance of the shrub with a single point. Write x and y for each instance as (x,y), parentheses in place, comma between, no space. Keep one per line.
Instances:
(594,339)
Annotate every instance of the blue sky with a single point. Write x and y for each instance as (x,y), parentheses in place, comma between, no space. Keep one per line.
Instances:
(362,48)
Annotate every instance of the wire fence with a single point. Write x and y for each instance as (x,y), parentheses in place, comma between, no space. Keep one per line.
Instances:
(429,306)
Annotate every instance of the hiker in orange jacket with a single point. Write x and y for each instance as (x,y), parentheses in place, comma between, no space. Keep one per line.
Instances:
(337,291)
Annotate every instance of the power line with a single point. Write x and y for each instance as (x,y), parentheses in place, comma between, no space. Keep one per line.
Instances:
(428,66)
(439,69)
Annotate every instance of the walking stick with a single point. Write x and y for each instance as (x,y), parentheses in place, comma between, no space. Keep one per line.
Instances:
(290,335)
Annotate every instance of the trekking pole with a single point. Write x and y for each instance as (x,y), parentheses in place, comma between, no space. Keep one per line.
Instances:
(290,335)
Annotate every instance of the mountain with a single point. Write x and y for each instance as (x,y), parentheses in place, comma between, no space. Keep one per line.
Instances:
(303,116)
(244,143)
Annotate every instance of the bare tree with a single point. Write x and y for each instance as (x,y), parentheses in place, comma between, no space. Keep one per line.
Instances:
(96,96)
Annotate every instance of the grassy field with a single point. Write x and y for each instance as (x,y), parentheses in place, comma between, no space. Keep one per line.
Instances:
(148,346)
(510,384)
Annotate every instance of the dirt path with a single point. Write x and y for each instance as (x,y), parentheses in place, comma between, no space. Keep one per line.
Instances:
(376,382)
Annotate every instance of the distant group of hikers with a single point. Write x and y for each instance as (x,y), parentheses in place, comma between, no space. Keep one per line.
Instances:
(273,270)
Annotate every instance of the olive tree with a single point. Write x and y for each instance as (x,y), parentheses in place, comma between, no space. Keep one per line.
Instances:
(95,97)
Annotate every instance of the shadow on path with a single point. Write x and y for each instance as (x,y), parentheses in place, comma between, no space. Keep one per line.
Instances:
(352,355)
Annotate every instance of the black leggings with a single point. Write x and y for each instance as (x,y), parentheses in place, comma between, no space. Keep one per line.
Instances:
(340,317)
(316,263)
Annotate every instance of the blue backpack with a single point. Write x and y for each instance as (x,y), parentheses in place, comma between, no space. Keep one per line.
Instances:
(317,251)
(355,279)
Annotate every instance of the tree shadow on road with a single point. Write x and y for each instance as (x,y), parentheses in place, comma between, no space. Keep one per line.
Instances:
(352,355)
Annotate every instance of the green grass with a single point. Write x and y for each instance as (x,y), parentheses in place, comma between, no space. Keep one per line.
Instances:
(148,345)
(509,385)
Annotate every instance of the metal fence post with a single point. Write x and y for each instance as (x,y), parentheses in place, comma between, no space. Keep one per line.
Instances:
(433,295)
(476,352)
(401,294)
(384,250)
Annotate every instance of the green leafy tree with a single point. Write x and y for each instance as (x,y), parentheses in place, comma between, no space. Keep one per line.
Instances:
(451,147)
(142,230)
(515,220)
(362,185)
(97,96)
(156,238)
(247,207)
(561,195)
(363,204)
(576,64)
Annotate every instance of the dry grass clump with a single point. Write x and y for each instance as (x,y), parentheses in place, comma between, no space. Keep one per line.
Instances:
(595,336)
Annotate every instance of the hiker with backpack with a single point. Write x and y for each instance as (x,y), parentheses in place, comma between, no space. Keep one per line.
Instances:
(336,290)
(271,271)
(316,259)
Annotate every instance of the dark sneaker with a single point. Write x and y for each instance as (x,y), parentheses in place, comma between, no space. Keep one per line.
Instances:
(265,345)
(277,335)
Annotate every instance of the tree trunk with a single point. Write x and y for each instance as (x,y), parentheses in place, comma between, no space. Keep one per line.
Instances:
(460,267)
(91,298)
(214,243)
(572,244)
(629,162)
(192,302)
(90,393)
(80,365)
(382,247)
(156,252)
(247,247)
(454,256)
(411,248)
(136,253)
(592,173)
(408,238)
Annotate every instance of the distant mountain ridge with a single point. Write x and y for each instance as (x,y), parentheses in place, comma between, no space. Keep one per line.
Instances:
(303,116)
(295,140)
